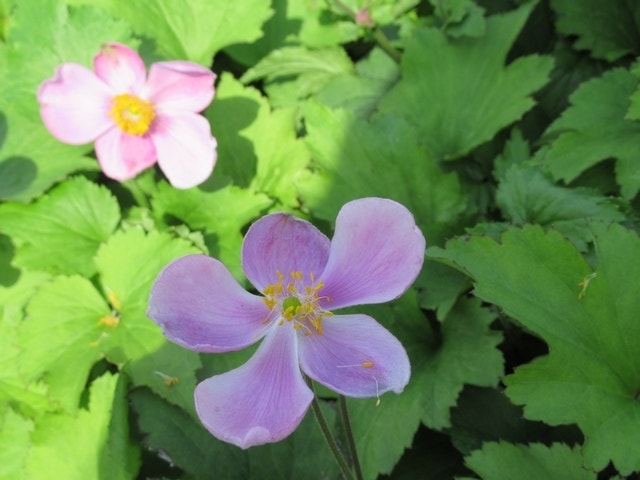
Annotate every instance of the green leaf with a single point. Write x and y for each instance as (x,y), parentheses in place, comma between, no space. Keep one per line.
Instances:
(128,264)
(62,328)
(458,92)
(506,461)
(588,319)
(221,215)
(15,433)
(62,231)
(607,28)
(594,128)
(527,195)
(93,444)
(356,158)
(194,29)
(43,35)
(257,147)
(459,18)
(361,91)
(315,67)
(185,441)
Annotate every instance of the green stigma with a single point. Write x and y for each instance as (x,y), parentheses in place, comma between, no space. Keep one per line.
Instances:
(290,302)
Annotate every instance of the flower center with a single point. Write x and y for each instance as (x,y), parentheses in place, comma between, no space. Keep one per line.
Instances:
(296,302)
(132,114)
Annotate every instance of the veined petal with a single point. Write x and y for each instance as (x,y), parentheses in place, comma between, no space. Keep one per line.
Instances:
(262,401)
(179,86)
(376,253)
(200,306)
(284,243)
(120,67)
(186,150)
(74,104)
(123,156)
(355,356)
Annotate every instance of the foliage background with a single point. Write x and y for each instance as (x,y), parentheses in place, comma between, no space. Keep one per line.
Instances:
(509,128)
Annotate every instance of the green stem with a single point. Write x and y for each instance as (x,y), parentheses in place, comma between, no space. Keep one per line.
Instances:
(385,44)
(350,438)
(138,195)
(328,436)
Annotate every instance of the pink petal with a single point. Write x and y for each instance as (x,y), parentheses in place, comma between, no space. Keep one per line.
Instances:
(179,86)
(262,401)
(376,253)
(355,356)
(200,306)
(120,67)
(284,243)
(186,150)
(75,104)
(123,156)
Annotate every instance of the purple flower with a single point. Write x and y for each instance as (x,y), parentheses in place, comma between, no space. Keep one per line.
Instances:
(375,255)
(134,120)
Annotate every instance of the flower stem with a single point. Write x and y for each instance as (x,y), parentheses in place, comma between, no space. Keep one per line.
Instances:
(344,413)
(328,436)
(385,44)
(137,193)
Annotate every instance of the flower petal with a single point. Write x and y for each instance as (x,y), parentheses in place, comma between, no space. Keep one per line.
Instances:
(179,86)
(376,253)
(200,306)
(74,104)
(262,401)
(123,156)
(355,356)
(120,67)
(284,243)
(186,150)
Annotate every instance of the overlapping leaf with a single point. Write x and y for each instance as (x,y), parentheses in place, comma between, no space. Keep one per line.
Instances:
(588,318)
(458,92)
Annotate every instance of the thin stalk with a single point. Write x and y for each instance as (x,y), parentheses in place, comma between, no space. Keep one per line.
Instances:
(385,44)
(138,194)
(344,413)
(328,436)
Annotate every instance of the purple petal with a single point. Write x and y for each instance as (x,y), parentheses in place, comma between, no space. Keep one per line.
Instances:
(74,104)
(355,356)
(179,86)
(262,401)
(200,306)
(186,150)
(120,67)
(284,243)
(123,156)
(376,253)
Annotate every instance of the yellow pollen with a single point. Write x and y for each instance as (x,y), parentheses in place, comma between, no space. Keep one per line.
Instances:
(109,321)
(132,114)
(295,302)
(367,364)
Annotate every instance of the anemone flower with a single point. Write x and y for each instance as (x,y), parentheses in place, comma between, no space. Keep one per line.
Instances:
(375,255)
(134,120)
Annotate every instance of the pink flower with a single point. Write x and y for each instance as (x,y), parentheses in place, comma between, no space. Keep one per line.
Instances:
(134,120)
(375,255)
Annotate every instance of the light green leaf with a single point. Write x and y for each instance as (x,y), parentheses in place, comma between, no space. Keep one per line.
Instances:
(15,433)
(361,91)
(594,128)
(128,264)
(62,328)
(506,461)
(194,29)
(459,17)
(221,215)
(607,28)
(62,231)
(588,319)
(527,195)
(94,443)
(458,92)
(355,158)
(257,146)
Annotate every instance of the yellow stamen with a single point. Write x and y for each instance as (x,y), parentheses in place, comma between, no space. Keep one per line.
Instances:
(114,300)
(109,321)
(132,114)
